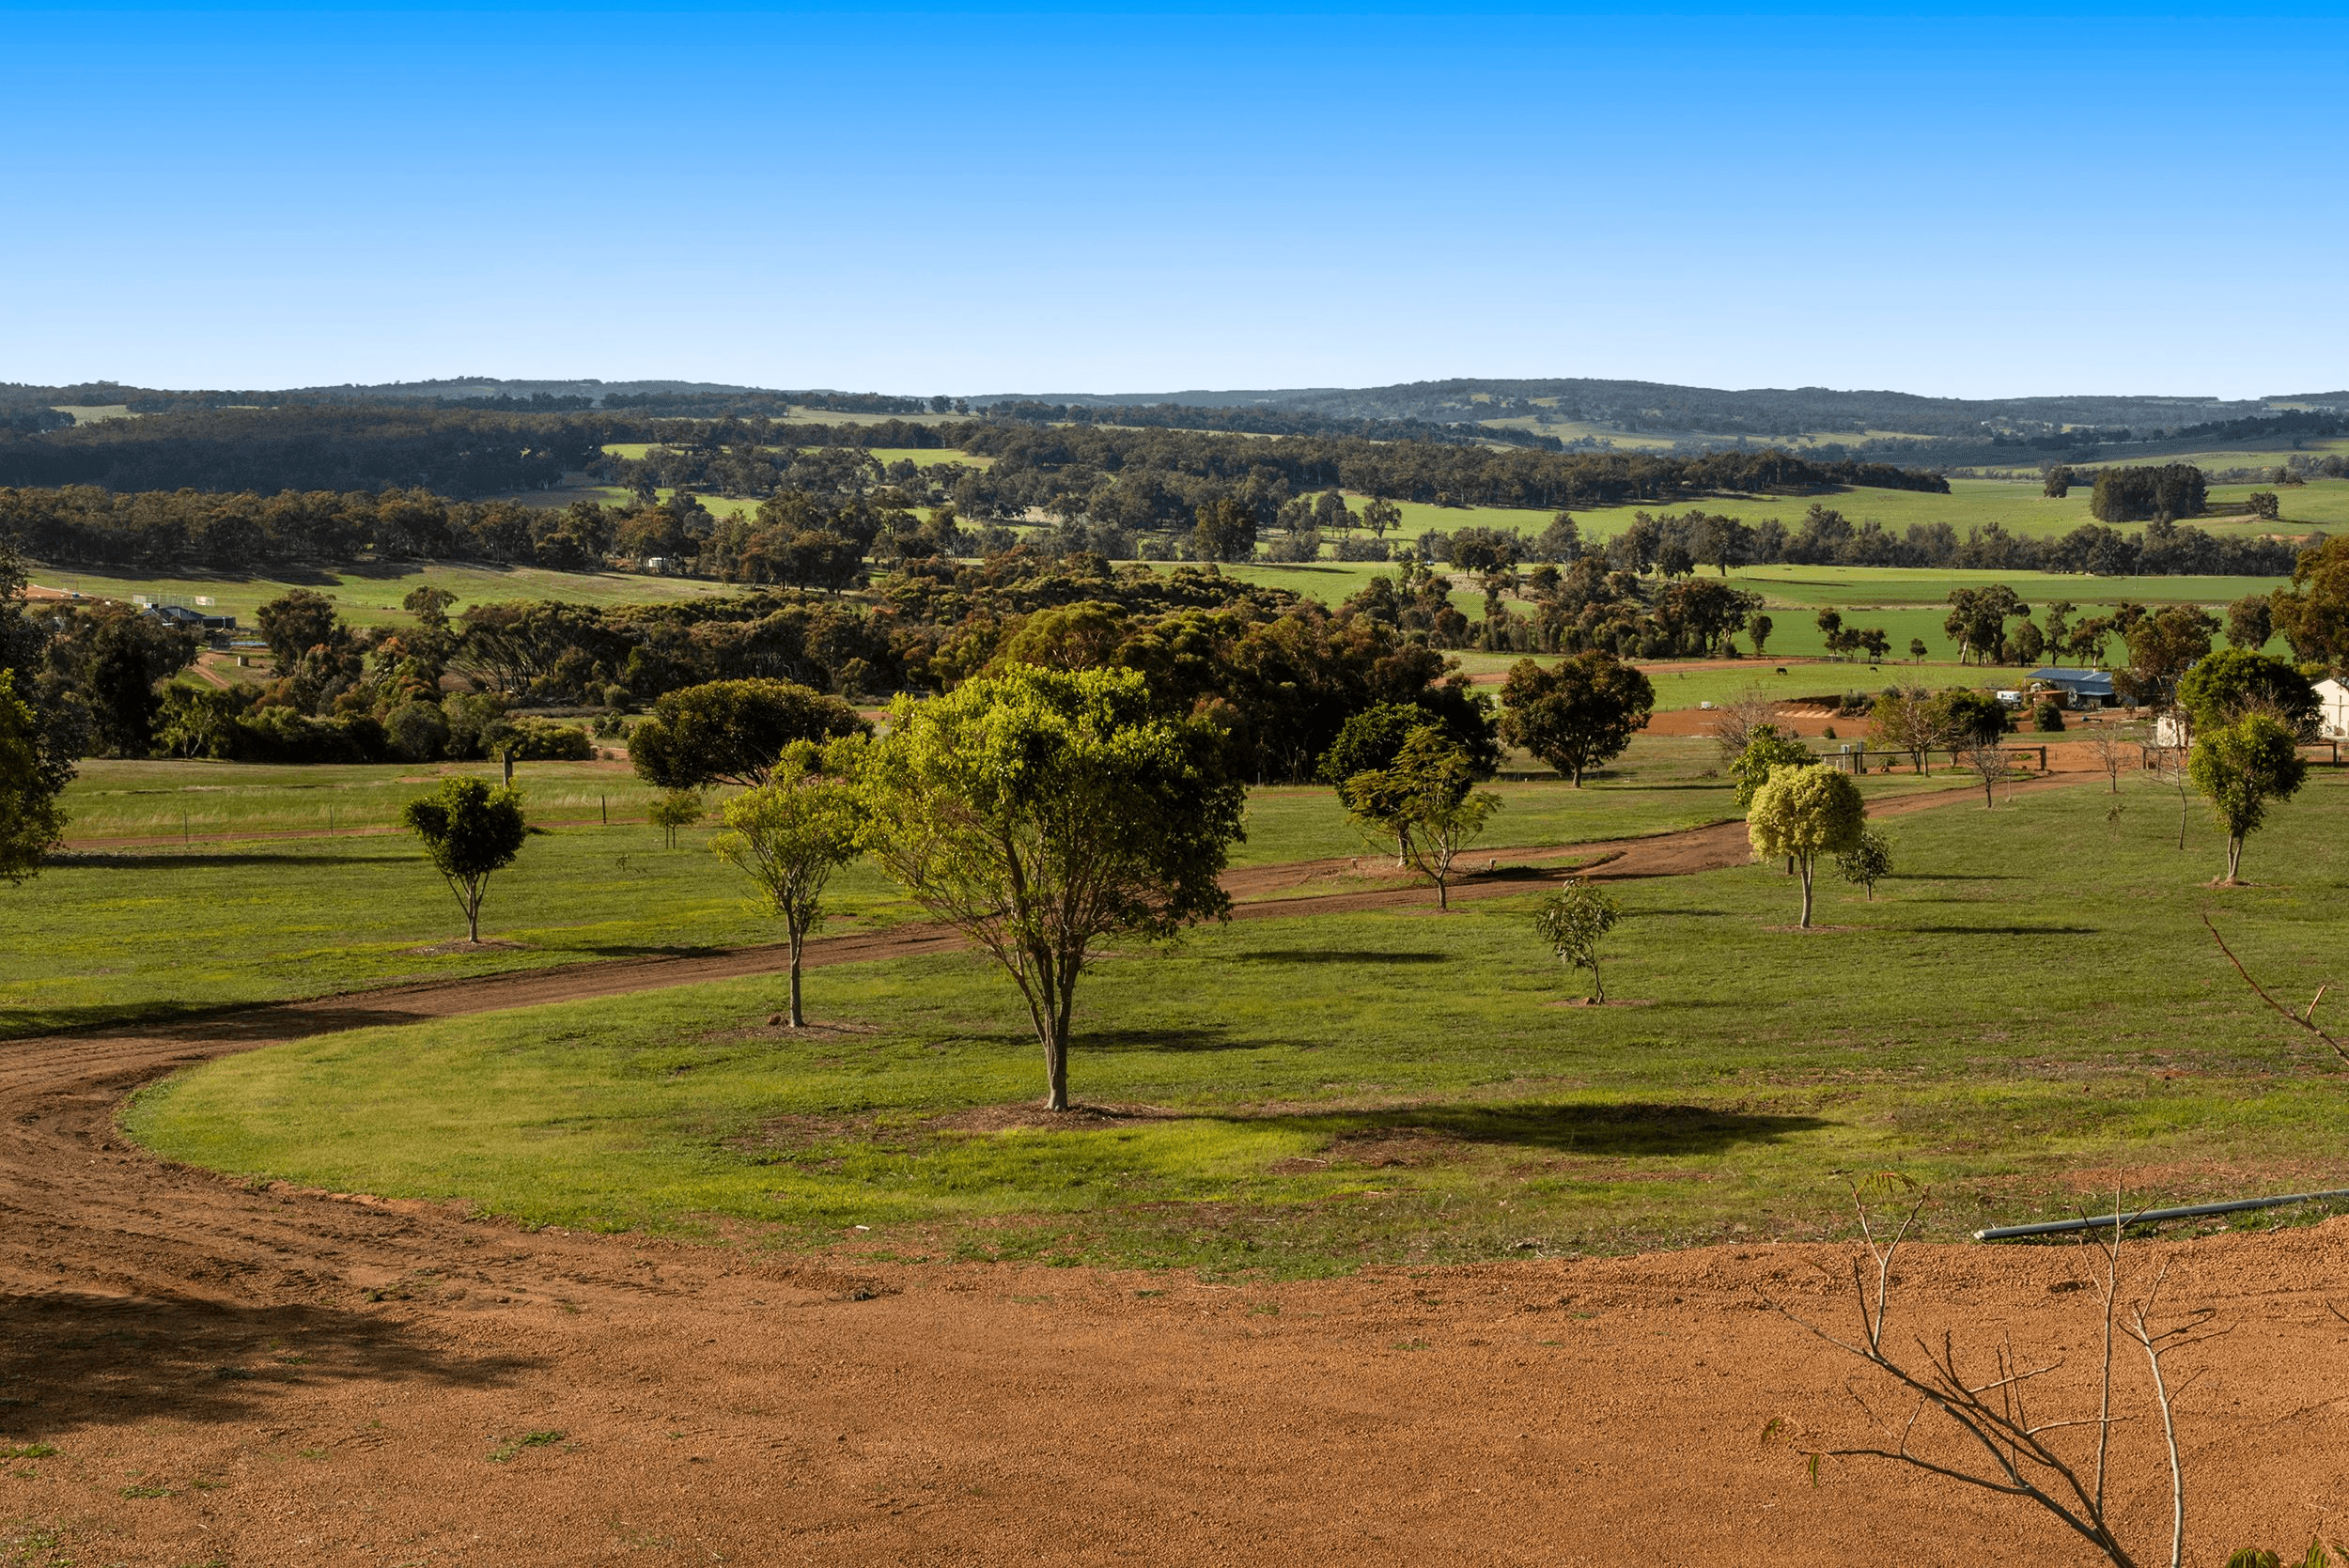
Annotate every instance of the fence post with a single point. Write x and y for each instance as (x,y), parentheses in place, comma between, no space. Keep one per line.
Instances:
(2042,759)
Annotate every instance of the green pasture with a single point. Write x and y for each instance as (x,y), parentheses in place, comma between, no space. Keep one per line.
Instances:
(370,595)
(928,457)
(174,895)
(2027,1011)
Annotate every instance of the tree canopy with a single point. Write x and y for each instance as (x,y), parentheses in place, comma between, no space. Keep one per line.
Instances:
(2231,682)
(1576,714)
(733,731)
(469,831)
(790,834)
(1041,811)
(1801,813)
(2241,769)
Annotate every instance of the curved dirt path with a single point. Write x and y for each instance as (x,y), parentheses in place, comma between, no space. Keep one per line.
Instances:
(278,1377)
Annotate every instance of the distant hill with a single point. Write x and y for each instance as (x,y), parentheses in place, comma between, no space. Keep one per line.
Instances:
(1569,414)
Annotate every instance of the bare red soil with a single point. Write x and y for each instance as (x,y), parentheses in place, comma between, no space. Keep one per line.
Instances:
(277,1377)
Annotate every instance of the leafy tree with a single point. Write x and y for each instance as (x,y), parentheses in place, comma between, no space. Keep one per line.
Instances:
(1369,743)
(2056,483)
(1576,714)
(1766,750)
(1759,629)
(1225,530)
(1965,718)
(1916,649)
(1043,812)
(1906,719)
(1573,920)
(792,832)
(2135,494)
(2240,768)
(296,622)
(2234,682)
(678,810)
(31,823)
(1427,800)
(1977,620)
(2265,506)
(1867,861)
(1379,514)
(469,831)
(2251,622)
(732,731)
(2314,613)
(2046,718)
(1802,813)
(2162,646)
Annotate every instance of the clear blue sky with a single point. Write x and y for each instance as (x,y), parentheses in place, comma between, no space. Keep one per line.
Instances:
(1971,201)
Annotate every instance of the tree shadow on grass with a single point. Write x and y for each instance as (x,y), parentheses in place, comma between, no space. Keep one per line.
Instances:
(2006,930)
(160,858)
(1336,955)
(241,1022)
(1200,1037)
(71,1362)
(1631,1127)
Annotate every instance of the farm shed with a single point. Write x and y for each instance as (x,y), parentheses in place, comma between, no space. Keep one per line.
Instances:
(2332,709)
(2080,688)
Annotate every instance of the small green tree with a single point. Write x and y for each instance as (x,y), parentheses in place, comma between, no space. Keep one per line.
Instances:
(2240,768)
(1867,862)
(1427,800)
(469,831)
(1573,920)
(792,832)
(1803,813)
(675,811)
(30,822)
(1759,629)
(1765,749)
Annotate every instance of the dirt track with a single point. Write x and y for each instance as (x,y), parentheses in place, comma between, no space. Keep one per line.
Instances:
(316,1379)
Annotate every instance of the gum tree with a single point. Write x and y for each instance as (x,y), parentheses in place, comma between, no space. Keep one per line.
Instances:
(469,831)
(792,832)
(1576,714)
(1802,814)
(1041,813)
(2240,768)
(1573,920)
(1427,800)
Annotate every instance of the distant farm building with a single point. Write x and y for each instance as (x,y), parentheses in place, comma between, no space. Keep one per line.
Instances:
(2079,687)
(2332,709)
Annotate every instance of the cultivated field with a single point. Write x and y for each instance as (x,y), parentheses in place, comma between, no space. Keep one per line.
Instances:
(370,595)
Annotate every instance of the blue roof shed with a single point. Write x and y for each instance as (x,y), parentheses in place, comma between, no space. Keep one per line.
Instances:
(2090,685)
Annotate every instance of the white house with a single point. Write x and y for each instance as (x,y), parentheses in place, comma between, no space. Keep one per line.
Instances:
(2332,709)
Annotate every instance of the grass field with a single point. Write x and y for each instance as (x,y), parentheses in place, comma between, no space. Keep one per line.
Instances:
(218,913)
(2027,1013)
(370,595)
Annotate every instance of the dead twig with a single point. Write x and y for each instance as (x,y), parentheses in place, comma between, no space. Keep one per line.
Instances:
(2305,1020)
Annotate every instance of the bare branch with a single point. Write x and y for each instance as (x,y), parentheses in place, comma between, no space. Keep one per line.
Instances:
(2306,1021)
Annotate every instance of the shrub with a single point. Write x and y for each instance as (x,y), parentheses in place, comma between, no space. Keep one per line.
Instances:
(2047,716)
(1363,550)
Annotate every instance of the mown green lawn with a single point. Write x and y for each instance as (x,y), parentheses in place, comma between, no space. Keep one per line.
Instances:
(113,931)
(2029,1011)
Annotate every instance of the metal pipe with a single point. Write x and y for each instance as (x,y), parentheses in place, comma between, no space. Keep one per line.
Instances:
(2148,1216)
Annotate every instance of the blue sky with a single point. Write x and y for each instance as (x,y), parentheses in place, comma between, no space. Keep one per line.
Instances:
(1973,201)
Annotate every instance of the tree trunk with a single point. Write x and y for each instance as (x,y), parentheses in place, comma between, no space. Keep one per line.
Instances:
(1805,893)
(1598,990)
(2234,855)
(473,919)
(1056,1049)
(798,938)
(1989,800)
